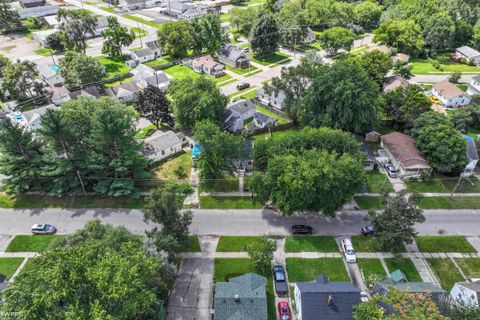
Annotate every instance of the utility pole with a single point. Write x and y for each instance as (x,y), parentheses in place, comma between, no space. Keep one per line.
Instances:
(81,182)
(140,34)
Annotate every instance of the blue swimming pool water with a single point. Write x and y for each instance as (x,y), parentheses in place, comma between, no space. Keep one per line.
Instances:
(54,68)
(196,151)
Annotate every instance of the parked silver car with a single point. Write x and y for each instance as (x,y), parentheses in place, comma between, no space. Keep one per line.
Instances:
(43,229)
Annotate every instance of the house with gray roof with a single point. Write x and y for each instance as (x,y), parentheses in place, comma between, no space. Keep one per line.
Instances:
(181,10)
(125,91)
(261,120)
(50,74)
(474,86)
(325,300)
(31,3)
(143,55)
(131,4)
(401,282)
(236,113)
(154,47)
(233,56)
(241,298)
(161,145)
(466,293)
(91,92)
(33,117)
(271,98)
(144,75)
(38,12)
(469,54)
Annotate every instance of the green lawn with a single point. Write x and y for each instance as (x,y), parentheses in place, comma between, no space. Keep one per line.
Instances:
(226,268)
(237,94)
(44,52)
(111,10)
(376,181)
(34,201)
(311,244)
(369,202)
(209,202)
(113,67)
(269,113)
(366,244)
(227,183)
(31,243)
(372,270)
(181,72)
(224,79)
(440,183)
(274,134)
(235,243)
(158,62)
(307,269)
(139,31)
(421,66)
(8,266)
(148,23)
(445,271)
(277,57)
(116,83)
(241,71)
(193,245)
(444,244)
(224,17)
(406,266)
(470,267)
(168,170)
(456,202)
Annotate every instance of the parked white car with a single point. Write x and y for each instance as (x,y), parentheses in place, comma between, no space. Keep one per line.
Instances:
(348,250)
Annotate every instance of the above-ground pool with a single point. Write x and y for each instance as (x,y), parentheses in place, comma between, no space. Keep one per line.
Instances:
(54,68)
(196,151)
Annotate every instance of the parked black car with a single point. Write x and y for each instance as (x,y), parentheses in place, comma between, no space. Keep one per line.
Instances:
(243,85)
(367,230)
(280,279)
(300,229)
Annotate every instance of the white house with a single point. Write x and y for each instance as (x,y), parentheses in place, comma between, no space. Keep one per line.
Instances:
(474,86)
(466,293)
(33,117)
(144,76)
(143,55)
(59,95)
(154,47)
(237,113)
(161,145)
(449,94)
(38,12)
(206,64)
(125,91)
(262,120)
(183,11)
(276,100)
(42,35)
(50,74)
(131,4)
(469,54)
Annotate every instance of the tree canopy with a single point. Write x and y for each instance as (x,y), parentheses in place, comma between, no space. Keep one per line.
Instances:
(115,37)
(75,26)
(79,69)
(405,35)
(264,35)
(153,104)
(19,79)
(336,38)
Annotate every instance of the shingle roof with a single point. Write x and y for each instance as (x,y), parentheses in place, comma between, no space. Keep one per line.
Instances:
(468,52)
(474,286)
(33,114)
(413,287)
(129,86)
(251,302)
(402,147)
(394,82)
(476,78)
(315,295)
(89,92)
(152,45)
(159,141)
(261,117)
(143,52)
(241,106)
(447,89)
(232,52)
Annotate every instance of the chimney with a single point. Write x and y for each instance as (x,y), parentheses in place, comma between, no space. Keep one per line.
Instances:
(330,301)
(237,298)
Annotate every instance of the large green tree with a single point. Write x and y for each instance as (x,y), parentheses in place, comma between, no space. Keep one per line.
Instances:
(175,38)
(207,33)
(405,35)
(261,253)
(342,97)
(439,32)
(195,100)
(99,272)
(79,69)
(336,38)
(9,18)
(376,64)
(394,226)
(75,27)
(242,19)
(153,104)
(20,79)
(115,37)
(367,14)
(437,139)
(219,150)
(292,23)
(264,35)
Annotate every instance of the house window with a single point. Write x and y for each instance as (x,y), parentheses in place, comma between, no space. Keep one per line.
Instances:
(163,152)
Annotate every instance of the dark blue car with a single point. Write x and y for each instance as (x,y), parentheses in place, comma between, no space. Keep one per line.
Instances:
(281,286)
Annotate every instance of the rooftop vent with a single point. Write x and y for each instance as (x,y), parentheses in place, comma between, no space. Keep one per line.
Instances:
(237,298)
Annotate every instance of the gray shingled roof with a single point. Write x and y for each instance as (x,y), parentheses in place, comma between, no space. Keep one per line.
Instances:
(143,52)
(413,287)
(474,286)
(263,118)
(241,106)
(476,78)
(232,52)
(315,295)
(252,303)
(160,141)
(468,52)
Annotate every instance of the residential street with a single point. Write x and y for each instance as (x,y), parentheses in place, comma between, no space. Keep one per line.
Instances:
(232,222)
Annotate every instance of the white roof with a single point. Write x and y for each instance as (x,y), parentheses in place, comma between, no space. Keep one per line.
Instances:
(468,52)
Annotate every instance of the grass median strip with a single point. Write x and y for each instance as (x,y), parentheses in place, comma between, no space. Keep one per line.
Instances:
(31,243)
(8,266)
(376,181)
(231,202)
(34,201)
(366,244)
(470,202)
(445,271)
(369,202)
(307,269)
(405,265)
(470,266)
(235,243)
(311,244)
(444,244)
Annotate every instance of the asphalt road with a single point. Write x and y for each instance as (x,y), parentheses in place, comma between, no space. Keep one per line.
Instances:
(232,222)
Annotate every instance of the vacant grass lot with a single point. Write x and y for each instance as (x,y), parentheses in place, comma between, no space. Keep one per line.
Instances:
(234,243)
(168,170)
(239,93)
(8,266)
(31,243)
(33,201)
(472,202)
(307,269)
(406,266)
(181,72)
(241,71)
(227,268)
(227,183)
(113,67)
(369,202)
(372,270)
(470,266)
(269,113)
(444,184)
(445,271)
(421,66)
(366,244)
(275,134)
(444,244)
(311,244)
(274,59)
(193,245)
(210,202)
(148,23)
(377,181)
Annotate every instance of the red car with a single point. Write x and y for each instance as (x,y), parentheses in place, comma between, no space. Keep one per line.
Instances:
(284,310)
